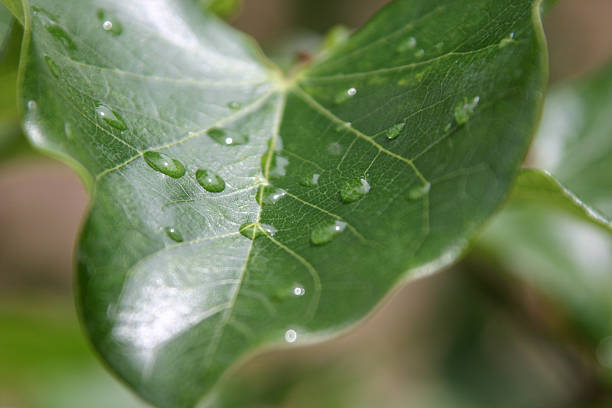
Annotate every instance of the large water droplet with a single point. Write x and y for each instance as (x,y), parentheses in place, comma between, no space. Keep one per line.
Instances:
(210,180)
(234,105)
(354,190)
(251,231)
(408,44)
(310,181)
(345,95)
(52,66)
(465,109)
(325,233)
(418,192)
(394,131)
(109,24)
(274,196)
(227,137)
(291,336)
(165,164)
(110,117)
(174,234)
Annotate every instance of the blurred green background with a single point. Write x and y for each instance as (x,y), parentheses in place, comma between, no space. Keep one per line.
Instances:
(486,333)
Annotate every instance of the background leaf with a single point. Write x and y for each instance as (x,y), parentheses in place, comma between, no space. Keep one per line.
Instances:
(376,164)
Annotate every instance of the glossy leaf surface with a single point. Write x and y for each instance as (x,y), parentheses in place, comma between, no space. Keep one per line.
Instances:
(312,213)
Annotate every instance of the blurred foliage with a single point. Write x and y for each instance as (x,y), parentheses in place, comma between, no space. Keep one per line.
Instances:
(222,8)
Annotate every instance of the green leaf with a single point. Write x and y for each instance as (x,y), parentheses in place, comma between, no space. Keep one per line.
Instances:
(222,8)
(15,8)
(555,232)
(321,214)
(6,20)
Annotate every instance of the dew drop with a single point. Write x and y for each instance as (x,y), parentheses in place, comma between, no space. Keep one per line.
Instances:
(325,233)
(274,165)
(394,131)
(506,41)
(174,234)
(299,290)
(418,192)
(335,149)
(32,105)
(420,53)
(345,95)
(165,164)
(251,231)
(310,181)
(465,109)
(274,197)
(343,126)
(269,229)
(52,66)
(234,105)
(48,21)
(110,25)
(227,138)
(354,190)
(291,336)
(110,117)
(68,131)
(210,180)
(407,44)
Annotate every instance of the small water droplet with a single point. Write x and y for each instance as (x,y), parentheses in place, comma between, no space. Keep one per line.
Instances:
(325,233)
(310,181)
(32,105)
(506,41)
(174,234)
(111,25)
(52,66)
(345,95)
(291,336)
(274,165)
(269,229)
(234,105)
(408,44)
(110,117)
(354,190)
(274,197)
(50,23)
(335,149)
(68,131)
(418,192)
(210,180)
(299,290)
(227,138)
(251,231)
(465,109)
(165,164)
(394,131)
(420,53)
(343,126)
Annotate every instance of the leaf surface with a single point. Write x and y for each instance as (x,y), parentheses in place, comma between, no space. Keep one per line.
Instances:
(233,208)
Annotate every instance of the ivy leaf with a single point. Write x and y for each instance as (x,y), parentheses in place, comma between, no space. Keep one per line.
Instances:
(556,231)
(233,208)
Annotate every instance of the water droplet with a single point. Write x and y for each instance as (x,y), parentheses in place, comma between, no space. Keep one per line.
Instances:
(48,21)
(111,25)
(274,197)
(310,181)
(110,117)
(68,131)
(506,41)
(227,138)
(234,105)
(343,126)
(52,66)
(394,131)
(269,229)
(465,109)
(345,95)
(299,290)
(251,231)
(165,164)
(420,53)
(210,180)
(418,192)
(407,44)
(291,336)
(325,233)
(335,149)
(274,165)
(354,190)
(32,105)
(174,235)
